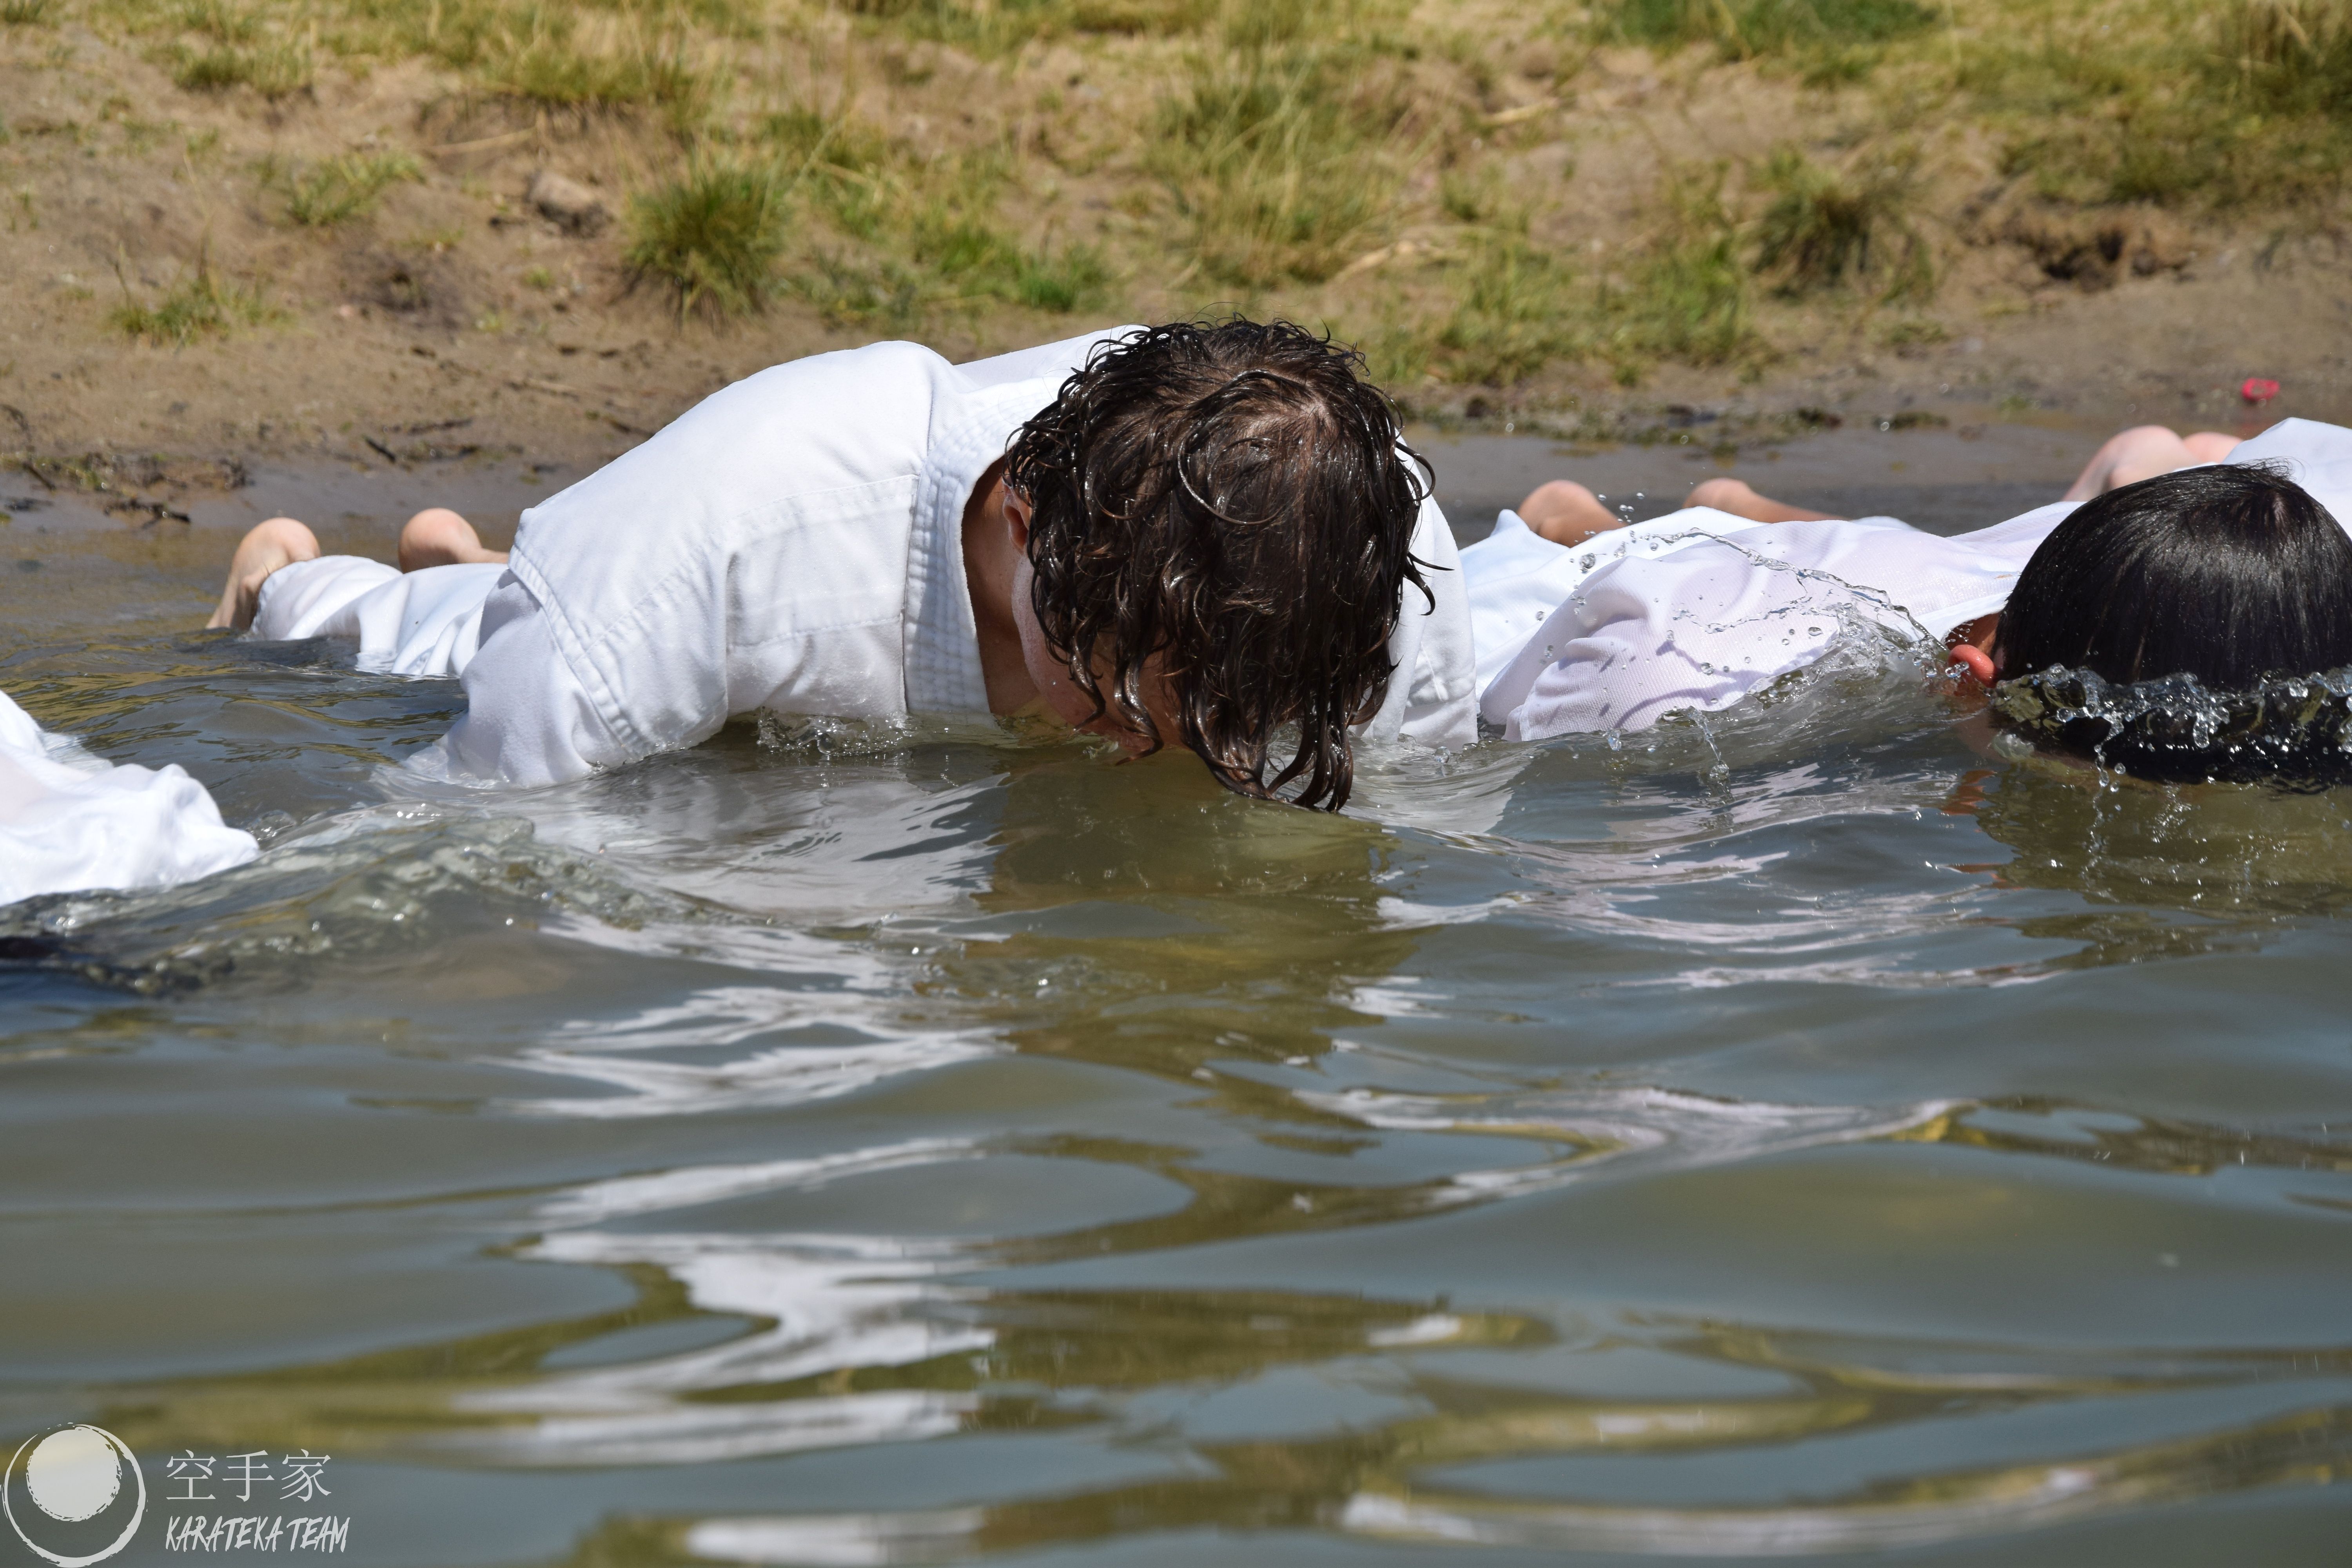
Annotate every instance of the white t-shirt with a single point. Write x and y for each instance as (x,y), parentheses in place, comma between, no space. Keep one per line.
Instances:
(794,542)
(70,821)
(1695,610)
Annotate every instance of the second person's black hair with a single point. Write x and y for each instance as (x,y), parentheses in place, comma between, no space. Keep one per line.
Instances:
(2230,573)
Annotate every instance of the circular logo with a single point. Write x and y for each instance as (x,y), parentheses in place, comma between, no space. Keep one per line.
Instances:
(61,1489)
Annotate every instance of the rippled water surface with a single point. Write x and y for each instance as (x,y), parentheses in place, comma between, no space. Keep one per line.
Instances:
(835,1146)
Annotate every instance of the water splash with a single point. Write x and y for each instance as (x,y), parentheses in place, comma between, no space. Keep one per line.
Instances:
(2294,731)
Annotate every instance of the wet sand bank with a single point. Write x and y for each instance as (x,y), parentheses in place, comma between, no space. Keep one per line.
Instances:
(1946,480)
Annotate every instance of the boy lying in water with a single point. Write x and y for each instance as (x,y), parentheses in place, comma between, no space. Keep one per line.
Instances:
(2171,556)
(1200,534)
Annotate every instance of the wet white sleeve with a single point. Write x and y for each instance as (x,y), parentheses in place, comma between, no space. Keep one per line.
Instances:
(71,821)
(528,720)
(1432,698)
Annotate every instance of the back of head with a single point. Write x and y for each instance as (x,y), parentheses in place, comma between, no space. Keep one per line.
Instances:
(2155,627)
(1232,501)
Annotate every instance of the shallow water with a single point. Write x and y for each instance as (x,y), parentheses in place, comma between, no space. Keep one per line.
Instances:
(1799,1136)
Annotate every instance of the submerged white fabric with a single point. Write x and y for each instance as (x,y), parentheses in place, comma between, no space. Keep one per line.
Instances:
(70,821)
(1707,622)
(794,542)
(407,623)
(1699,624)
(1515,578)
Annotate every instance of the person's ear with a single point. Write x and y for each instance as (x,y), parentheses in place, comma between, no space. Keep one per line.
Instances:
(1976,661)
(1016,519)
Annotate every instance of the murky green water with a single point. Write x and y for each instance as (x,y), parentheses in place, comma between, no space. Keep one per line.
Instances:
(835,1148)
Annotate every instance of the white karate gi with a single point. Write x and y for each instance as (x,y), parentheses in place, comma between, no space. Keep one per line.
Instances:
(794,542)
(1694,610)
(70,821)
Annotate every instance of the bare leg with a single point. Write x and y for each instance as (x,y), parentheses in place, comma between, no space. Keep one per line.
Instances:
(266,547)
(1566,512)
(2145,451)
(1738,498)
(439,537)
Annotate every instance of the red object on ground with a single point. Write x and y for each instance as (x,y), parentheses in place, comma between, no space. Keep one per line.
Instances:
(2258,390)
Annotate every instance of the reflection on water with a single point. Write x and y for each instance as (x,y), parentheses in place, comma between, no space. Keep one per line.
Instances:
(1794,1134)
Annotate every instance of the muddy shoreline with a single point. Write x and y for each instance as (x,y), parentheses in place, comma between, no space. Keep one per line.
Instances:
(184,513)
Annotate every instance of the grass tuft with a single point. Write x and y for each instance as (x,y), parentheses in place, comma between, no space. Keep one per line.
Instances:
(1280,154)
(1688,298)
(1752,29)
(272,69)
(2245,103)
(1826,228)
(344,188)
(554,71)
(2292,56)
(198,304)
(1076,278)
(1520,306)
(24,12)
(887,294)
(220,21)
(713,234)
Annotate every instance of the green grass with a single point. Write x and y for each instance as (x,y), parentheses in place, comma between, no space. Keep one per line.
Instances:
(885,294)
(198,304)
(995,29)
(2289,56)
(1519,306)
(237,52)
(273,71)
(1077,277)
(219,21)
(924,233)
(1688,297)
(344,188)
(713,236)
(1826,228)
(553,69)
(2243,104)
(1752,29)
(1518,309)
(613,55)
(1284,157)
(951,267)
(25,13)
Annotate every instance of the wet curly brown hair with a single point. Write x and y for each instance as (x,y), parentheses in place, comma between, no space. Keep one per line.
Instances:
(1233,499)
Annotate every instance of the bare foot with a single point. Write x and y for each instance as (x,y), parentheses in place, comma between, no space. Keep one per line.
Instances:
(439,537)
(1739,499)
(266,547)
(1566,512)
